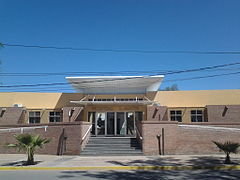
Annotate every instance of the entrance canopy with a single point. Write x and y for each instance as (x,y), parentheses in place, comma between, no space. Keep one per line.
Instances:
(115,84)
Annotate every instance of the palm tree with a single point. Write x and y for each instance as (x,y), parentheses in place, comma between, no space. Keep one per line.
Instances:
(227,147)
(29,143)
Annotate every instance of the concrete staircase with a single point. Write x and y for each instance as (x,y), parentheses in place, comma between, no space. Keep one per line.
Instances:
(112,146)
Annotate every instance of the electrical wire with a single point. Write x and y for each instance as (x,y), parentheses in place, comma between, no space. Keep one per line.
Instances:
(123,50)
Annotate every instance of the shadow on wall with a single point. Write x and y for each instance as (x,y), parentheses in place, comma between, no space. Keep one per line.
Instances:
(62,143)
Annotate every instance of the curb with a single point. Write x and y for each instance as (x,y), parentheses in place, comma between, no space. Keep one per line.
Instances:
(227,167)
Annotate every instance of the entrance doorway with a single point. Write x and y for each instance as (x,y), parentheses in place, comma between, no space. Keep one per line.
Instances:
(112,123)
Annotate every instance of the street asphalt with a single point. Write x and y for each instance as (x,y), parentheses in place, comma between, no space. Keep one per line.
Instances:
(120,175)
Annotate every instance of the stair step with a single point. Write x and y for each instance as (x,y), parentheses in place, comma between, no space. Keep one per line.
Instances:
(113,145)
(90,155)
(110,149)
(106,146)
(110,153)
(115,142)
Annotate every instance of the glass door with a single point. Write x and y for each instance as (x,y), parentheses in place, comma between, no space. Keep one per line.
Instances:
(110,123)
(92,119)
(100,123)
(121,123)
(113,123)
(130,123)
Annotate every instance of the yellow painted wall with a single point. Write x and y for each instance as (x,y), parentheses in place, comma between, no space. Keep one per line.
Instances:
(183,100)
(38,100)
(198,98)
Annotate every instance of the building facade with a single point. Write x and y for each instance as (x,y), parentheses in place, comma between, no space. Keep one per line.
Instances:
(184,122)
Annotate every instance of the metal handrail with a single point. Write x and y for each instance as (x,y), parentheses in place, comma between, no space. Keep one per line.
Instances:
(22,128)
(139,133)
(90,127)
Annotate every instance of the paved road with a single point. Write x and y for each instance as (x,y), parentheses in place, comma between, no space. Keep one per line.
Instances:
(119,175)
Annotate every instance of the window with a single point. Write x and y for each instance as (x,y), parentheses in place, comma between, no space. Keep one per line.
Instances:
(34,117)
(176,115)
(54,116)
(196,115)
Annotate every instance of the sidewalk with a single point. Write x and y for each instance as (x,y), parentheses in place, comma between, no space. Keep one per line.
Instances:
(51,162)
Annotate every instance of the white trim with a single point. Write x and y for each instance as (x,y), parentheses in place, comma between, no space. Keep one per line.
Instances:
(115,84)
(23,128)
(113,102)
(209,127)
(139,133)
(90,127)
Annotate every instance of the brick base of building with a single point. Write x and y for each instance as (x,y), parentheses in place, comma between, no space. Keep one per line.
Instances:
(65,138)
(178,139)
(157,137)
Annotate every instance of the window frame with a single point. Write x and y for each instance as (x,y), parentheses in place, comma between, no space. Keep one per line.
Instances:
(174,116)
(54,116)
(196,115)
(34,119)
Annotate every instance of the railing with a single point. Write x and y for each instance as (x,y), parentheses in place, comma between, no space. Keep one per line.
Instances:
(139,133)
(85,135)
(23,128)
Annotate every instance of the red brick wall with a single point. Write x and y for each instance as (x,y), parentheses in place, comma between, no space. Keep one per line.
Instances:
(12,115)
(222,113)
(74,133)
(179,140)
(150,130)
(199,140)
(157,113)
(75,116)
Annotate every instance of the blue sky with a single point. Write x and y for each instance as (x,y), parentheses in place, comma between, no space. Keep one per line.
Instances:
(121,24)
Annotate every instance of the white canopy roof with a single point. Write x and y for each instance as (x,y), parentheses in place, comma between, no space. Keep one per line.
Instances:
(115,84)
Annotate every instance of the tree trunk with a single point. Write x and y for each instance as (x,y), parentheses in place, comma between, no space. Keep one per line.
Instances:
(227,159)
(30,159)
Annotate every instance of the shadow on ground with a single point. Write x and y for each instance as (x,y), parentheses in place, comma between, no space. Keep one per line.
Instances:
(210,161)
(19,163)
(151,161)
(153,175)
(171,161)
(161,174)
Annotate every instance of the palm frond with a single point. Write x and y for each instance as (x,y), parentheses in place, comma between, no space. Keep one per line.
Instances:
(228,146)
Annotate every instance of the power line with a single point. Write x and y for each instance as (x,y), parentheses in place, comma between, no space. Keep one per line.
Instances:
(166,72)
(172,80)
(203,68)
(201,77)
(117,79)
(82,73)
(124,50)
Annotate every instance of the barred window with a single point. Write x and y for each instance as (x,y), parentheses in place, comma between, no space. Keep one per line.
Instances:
(176,115)
(54,116)
(34,117)
(196,115)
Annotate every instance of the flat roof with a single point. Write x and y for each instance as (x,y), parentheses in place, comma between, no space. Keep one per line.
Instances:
(115,84)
